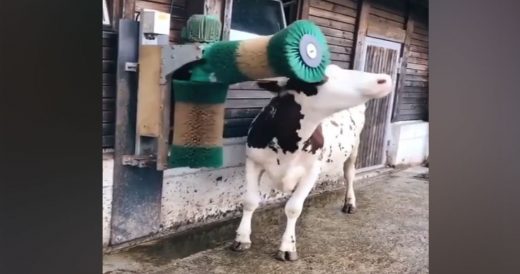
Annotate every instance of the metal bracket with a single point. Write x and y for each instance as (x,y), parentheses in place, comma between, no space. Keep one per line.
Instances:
(175,56)
(140,161)
(131,66)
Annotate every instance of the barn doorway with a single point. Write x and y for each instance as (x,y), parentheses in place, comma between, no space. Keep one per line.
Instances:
(379,56)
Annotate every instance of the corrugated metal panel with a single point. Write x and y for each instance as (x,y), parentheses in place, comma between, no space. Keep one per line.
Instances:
(108,87)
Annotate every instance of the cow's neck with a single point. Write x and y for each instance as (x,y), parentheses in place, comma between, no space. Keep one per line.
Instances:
(312,116)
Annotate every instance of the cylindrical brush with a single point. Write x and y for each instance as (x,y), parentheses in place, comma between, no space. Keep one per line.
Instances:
(299,51)
(199,124)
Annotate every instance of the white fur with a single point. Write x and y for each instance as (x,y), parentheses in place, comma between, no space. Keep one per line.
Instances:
(339,107)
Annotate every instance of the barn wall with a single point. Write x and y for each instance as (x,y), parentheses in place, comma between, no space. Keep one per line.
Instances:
(390,13)
(413,96)
(337,20)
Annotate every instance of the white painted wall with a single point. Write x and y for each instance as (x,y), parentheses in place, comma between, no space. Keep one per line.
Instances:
(409,143)
(108,171)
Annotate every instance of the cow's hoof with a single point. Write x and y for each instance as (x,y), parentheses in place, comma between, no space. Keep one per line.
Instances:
(238,246)
(349,208)
(286,255)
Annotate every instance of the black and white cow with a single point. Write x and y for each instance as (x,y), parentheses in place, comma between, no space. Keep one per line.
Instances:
(288,138)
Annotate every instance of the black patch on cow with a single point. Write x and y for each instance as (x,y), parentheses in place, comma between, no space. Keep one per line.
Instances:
(280,119)
(314,142)
(271,86)
(299,86)
(278,161)
(308,89)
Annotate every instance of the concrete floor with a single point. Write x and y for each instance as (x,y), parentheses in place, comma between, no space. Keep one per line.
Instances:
(387,234)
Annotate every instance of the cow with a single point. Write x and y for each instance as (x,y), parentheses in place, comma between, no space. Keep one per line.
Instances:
(288,139)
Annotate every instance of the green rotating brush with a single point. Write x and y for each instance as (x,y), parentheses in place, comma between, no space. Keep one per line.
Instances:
(299,51)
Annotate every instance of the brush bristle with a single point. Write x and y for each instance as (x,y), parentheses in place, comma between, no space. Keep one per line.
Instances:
(198,124)
(284,52)
(221,56)
(196,157)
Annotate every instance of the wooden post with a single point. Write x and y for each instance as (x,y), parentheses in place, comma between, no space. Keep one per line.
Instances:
(303,9)
(117,13)
(226,22)
(404,60)
(213,7)
(361,31)
(128,9)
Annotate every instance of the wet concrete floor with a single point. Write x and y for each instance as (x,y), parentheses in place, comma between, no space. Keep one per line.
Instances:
(387,234)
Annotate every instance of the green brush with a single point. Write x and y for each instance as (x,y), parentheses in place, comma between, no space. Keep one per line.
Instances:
(199,124)
(299,51)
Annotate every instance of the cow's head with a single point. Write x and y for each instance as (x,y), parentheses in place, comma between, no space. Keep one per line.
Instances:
(341,89)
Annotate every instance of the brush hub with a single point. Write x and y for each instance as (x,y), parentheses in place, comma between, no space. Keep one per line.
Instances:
(310,51)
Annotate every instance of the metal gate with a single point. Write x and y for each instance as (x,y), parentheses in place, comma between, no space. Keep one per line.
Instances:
(379,56)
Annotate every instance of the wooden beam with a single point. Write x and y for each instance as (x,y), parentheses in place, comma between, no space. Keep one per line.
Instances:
(128,9)
(361,31)
(404,62)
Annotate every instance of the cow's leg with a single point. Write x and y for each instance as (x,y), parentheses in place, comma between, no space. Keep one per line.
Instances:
(349,172)
(251,201)
(293,209)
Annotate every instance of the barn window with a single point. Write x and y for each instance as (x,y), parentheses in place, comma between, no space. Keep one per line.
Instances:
(251,18)
(290,9)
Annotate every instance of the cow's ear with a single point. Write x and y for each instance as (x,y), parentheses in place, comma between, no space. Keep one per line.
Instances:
(272,86)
